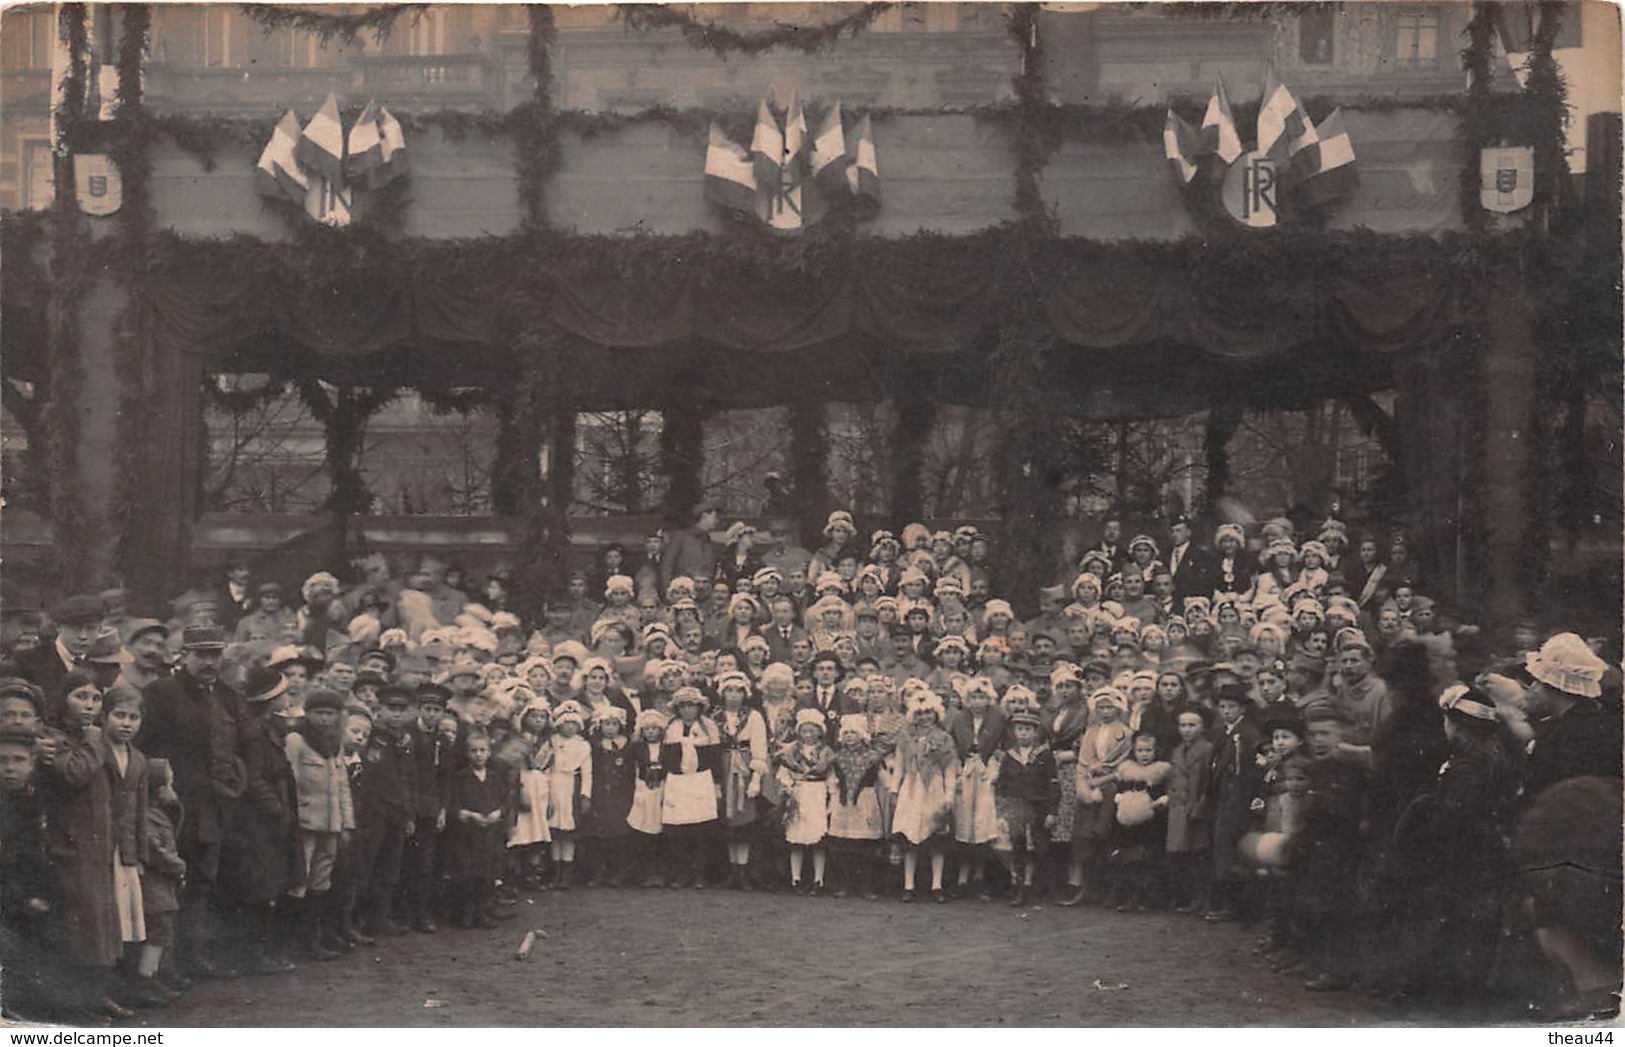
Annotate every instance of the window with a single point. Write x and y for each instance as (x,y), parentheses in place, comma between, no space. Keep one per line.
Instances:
(1316,36)
(216,37)
(26,41)
(427,35)
(1417,42)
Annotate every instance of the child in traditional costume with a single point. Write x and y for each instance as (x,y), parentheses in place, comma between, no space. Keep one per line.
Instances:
(693,791)
(855,822)
(745,751)
(927,778)
(649,780)
(804,772)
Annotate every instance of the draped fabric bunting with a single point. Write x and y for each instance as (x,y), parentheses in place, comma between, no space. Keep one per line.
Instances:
(1297,310)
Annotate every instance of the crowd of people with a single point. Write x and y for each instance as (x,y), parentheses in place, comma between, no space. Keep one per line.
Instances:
(1281,728)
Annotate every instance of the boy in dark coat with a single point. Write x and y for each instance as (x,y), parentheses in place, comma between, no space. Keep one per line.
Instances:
(476,830)
(1188,809)
(1326,853)
(1026,793)
(30,897)
(431,764)
(1231,788)
(260,859)
(383,801)
(162,870)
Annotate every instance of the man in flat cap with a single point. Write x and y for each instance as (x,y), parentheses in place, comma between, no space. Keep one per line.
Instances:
(78,619)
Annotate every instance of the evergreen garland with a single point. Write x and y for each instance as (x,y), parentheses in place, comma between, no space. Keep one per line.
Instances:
(723,41)
(543,529)
(1547,94)
(1223,419)
(344,418)
(1035,136)
(545,402)
(1024,410)
(327,26)
(129,153)
(916,416)
(536,133)
(682,448)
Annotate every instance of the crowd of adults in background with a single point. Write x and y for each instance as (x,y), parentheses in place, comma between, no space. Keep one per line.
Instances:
(1269,724)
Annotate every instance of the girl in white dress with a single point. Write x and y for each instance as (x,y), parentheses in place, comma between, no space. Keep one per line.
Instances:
(530,830)
(570,788)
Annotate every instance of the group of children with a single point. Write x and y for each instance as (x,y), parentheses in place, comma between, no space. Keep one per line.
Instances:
(906,737)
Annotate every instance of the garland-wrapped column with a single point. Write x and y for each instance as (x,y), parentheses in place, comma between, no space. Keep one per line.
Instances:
(512,458)
(809,465)
(543,415)
(161,412)
(915,417)
(1507,468)
(344,420)
(1027,461)
(1223,419)
(682,455)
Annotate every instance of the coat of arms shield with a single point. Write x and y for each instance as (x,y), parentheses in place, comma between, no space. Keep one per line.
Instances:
(98,185)
(1506,178)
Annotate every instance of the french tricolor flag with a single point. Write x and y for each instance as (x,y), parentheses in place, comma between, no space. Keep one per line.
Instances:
(730,178)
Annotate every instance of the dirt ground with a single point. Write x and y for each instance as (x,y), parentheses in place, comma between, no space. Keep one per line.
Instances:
(636,957)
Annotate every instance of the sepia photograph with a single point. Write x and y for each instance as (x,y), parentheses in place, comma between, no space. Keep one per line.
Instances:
(873,516)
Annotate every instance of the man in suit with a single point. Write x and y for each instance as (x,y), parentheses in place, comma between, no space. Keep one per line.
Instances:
(783,631)
(1111,543)
(1190,565)
(78,619)
(827,696)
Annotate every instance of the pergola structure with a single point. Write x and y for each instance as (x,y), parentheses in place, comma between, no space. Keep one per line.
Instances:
(1046,299)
